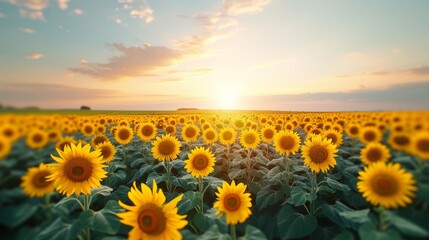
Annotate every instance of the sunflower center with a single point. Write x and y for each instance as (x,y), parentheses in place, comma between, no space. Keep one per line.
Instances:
(105,151)
(99,140)
(269,133)
(423,145)
(369,136)
(401,140)
(287,142)
(78,170)
(227,135)
(333,137)
(123,134)
(8,133)
(232,202)
(166,148)
(318,154)
(200,162)
(354,130)
(39,180)
(147,131)
(152,220)
(190,132)
(210,135)
(37,138)
(385,185)
(249,138)
(374,155)
(169,129)
(88,129)
(52,135)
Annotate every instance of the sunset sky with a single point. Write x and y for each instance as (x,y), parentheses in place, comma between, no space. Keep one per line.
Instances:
(301,55)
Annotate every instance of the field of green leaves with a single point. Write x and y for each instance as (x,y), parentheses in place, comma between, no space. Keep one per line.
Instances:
(215,175)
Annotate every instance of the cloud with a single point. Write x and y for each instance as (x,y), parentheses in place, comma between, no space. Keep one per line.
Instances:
(52,95)
(63,4)
(270,63)
(34,56)
(28,30)
(170,80)
(240,7)
(421,71)
(125,1)
(197,71)
(133,61)
(78,11)
(32,9)
(405,96)
(35,15)
(144,12)
(2,15)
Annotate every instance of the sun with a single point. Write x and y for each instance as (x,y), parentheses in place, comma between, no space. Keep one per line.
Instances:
(227,99)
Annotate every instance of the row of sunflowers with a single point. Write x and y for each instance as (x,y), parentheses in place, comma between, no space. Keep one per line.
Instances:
(215,175)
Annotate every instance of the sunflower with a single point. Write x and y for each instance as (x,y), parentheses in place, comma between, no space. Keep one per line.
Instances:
(9,132)
(249,139)
(87,129)
(227,136)
(171,129)
(399,141)
(210,136)
(124,135)
(319,153)
(200,162)
(239,124)
(420,145)
(66,141)
(150,217)
(107,149)
(35,183)
(353,130)
(287,142)
(101,129)
(336,137)
(386,185)
(370,134)
(36,139)
(54,134)
(233,202)
(77,170)
(146,131)
(5,147)
(374,152)
(100,138)
(190,133)
(267,133)
(166,148)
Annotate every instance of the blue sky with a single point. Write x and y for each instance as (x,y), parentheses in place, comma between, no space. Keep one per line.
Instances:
(230,54)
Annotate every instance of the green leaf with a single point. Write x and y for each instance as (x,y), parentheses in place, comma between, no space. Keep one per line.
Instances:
(102,190)
(324,188)
(295,225)
(344,236)
(213,233)
(13,216)
(140,173)
(59,230)
(105,220)
(368,231)
(406,227)
(267,197)
(298,197)
(337,185)
(356,216)
(423,192)
(252,233)
(189,201)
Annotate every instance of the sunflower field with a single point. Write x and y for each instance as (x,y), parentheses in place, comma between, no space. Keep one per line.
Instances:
(214,175)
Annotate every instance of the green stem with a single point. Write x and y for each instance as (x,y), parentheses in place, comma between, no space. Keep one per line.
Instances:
(287,166)
(249,151)
(233,232)
(382,218)
(201,188)
(313,190)
(86,204)
(228,164)
(168,168)
(47,207)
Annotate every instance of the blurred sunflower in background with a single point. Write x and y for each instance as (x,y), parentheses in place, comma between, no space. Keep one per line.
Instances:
(190,133)
(66,141)
(374,152)
(5,147)
(287,142)
(420,145)
(399,141)
(370,134)
(335,136)
(124,135)
(150,217)
(249,139)
(36,139)
(99,138)
(35,184)
(210,135)
(319,154)
(107,150)
(387,185)
(77,170)
(146,131)
(227,136)
(267,133)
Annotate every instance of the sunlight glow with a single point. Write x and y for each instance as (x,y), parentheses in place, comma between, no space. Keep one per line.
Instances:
(228,100)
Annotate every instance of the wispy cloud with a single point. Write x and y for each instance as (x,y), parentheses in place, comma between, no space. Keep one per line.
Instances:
(78,11)
(417,71)
(133,61)
(144,12)
(239,7)
(197,71)
(63,4)
(28,30)
(35,15)
(406,96)
(2,15)
(170,80)
(270,63)
(34,56)
(32,9)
